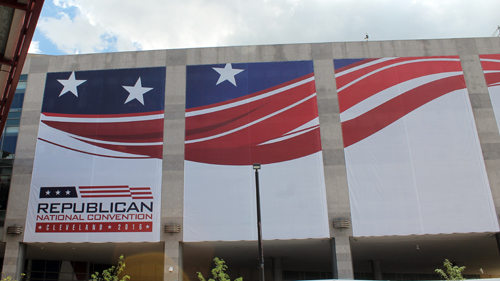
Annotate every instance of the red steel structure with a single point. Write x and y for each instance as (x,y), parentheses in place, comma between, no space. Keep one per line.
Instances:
(32,12)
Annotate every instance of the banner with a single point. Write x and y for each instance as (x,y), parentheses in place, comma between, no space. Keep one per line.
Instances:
(98,160)
(413,158)
(491,69)
(240,114)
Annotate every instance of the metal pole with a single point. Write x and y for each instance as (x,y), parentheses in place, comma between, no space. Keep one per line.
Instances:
(259,227)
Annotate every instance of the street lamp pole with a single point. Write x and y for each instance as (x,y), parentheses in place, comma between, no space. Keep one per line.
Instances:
(256,167)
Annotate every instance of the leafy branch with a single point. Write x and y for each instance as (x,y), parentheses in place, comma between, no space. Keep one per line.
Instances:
(453,272)
(112,273)
(219,272)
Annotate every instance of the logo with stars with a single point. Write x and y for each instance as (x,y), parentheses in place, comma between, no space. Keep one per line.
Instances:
(58,192)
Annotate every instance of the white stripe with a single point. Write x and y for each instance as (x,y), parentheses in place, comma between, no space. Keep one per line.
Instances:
(116,143)
(249,100)
(492,71)
(288,136)
(390,93)
(363,66)
(492,60)
(391,66)
(102,119)
(254,122)
(309,124)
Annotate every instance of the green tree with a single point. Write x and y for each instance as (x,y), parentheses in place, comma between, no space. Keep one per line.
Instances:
(453,272)
(112,273)
(219,272)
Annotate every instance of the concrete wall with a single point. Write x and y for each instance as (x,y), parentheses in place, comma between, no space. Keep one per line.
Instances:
(175,61)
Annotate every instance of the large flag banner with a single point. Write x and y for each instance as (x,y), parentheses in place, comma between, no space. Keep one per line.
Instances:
(98,159)
(245,113)
(491,69)
(413,158)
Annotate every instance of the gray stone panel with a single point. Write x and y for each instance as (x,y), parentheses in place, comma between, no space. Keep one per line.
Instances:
(26,66)
(322,51)
(344,258)
(121,60)
(333,156)
(175,111)
(294,52)
(151,58)
(491,151)
(176,57)
(466,46)
(172,194)
(63,63)
(488,45)
(356,50)
(39,64)
(339,50)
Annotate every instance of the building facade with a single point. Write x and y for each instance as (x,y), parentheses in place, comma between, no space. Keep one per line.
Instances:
(379,161)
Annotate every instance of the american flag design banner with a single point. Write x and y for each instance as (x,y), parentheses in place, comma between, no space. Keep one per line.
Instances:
(244,113)
(97,170)
(413,159)
(491,69)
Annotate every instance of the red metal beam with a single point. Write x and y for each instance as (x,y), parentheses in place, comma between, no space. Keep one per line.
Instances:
(13,4)
(32,13)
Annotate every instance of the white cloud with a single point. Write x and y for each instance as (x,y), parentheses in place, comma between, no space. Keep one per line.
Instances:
(34,47)
(159,24)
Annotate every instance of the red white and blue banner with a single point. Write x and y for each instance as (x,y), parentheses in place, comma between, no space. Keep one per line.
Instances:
(97,170)
(245,113)
(413,158)
(491,69)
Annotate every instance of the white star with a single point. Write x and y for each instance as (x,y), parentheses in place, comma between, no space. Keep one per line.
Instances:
(137,91)
(58,192)
(40,227)
(109,226)
(147,226)
(70,84)
(68,192)
(47,192)
(227,73)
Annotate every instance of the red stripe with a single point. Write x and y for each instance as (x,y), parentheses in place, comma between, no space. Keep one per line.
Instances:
(141,193)
(492,78)
(154,151)
(89,153)
(132,132)
(352,65)
(103,115)
(140,197)
(214,123)
(252,95)
(140,188)
(265,130)
(100,196)
(289,149)
(103,186)
(104,191)
(359,128)
(387,78)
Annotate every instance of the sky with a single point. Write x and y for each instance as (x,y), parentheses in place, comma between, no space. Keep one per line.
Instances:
(96,26)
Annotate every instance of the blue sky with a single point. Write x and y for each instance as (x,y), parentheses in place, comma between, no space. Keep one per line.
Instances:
(95,26)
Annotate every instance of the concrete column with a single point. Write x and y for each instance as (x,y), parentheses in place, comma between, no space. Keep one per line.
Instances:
(13,263)
(484,116)
(344,258)
(337,193)
(377,272)
(172,267)
(173,163)
(277,270)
